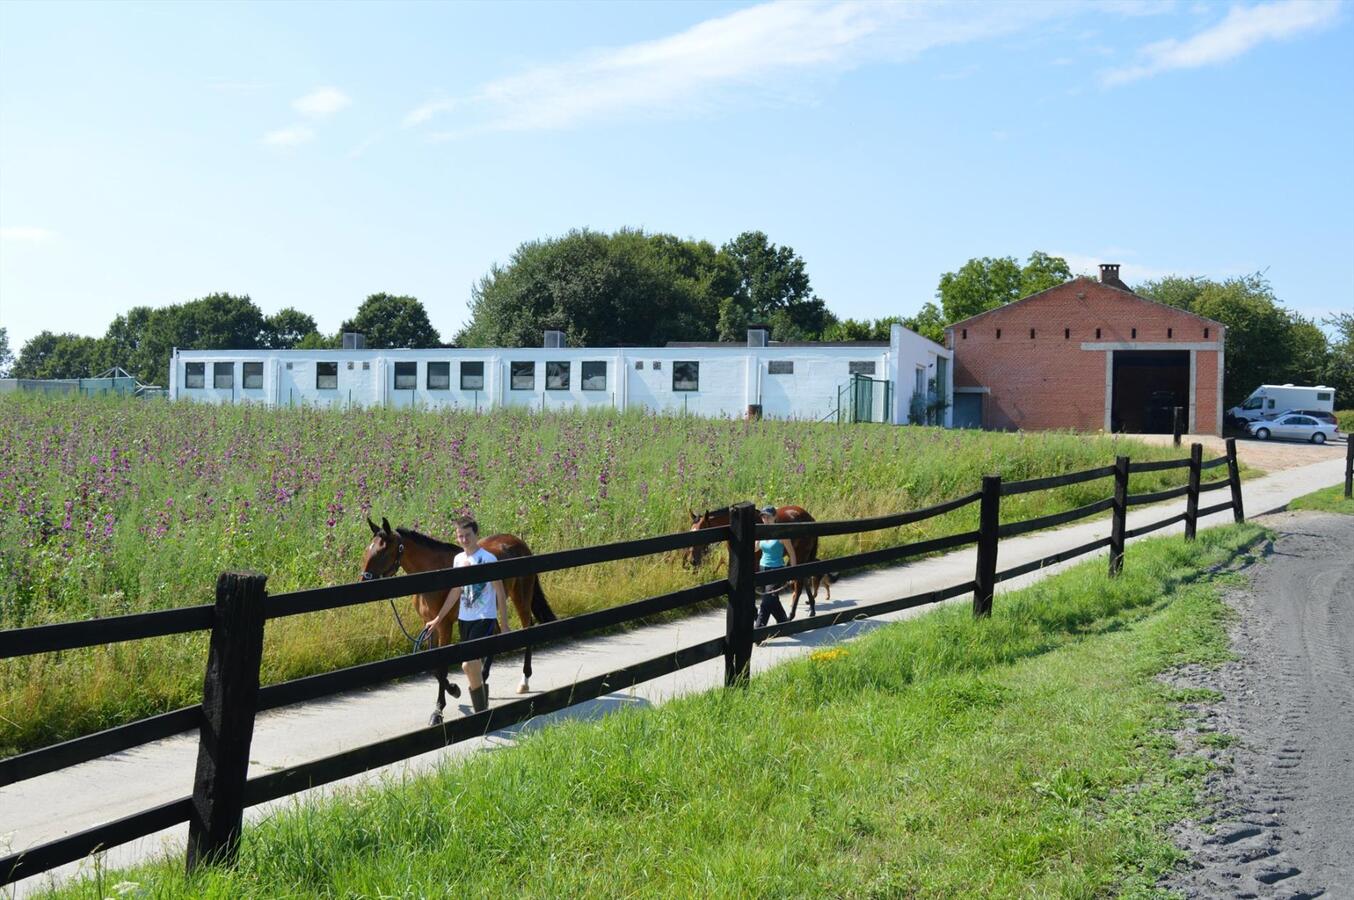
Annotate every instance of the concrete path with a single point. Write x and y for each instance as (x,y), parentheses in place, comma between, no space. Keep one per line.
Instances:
(42,809)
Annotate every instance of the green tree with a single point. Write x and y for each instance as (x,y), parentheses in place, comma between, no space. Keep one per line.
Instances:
(388,320)
(6,356)
(125,344)
(284,329)
(986,283)
(1308,351)
(49,355)
(1339,372)
(630,287)
(317,341)
(771,285)
(929,322)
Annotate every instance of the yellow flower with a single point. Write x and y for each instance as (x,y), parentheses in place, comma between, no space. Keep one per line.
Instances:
(823,656)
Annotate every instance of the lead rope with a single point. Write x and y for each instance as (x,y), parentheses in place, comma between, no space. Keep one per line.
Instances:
(424,635)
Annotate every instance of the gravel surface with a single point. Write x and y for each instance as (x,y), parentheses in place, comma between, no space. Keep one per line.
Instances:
(1282,820)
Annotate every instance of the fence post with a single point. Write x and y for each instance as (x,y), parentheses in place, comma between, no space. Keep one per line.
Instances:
(985,576)
(229,698)
(1120,515)
(1349,467)
(1175,425)
(1234,477)
(1196,458)
(739,613)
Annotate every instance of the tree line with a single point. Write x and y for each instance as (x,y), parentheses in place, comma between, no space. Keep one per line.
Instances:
(638,288)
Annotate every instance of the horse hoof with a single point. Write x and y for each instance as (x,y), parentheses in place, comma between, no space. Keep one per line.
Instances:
(523,687)
(454,690)
(435,718)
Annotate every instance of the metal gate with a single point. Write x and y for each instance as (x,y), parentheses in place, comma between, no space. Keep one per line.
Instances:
(864,399)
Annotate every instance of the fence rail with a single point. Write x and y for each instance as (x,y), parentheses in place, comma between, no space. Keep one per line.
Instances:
(232,696)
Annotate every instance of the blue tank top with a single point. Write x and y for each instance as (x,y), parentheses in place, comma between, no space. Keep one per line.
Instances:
(773,554)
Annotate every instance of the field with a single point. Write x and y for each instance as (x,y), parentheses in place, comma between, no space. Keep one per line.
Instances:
(112,507)
(941,757)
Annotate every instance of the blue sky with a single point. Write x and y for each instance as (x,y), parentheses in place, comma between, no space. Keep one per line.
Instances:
(311,154)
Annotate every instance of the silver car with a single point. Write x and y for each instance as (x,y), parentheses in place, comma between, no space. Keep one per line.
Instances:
(1295,425)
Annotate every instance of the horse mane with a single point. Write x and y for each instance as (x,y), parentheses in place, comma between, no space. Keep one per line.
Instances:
(432,543)
(722,511)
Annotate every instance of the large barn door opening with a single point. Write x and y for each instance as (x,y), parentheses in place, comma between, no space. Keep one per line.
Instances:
(1148,385)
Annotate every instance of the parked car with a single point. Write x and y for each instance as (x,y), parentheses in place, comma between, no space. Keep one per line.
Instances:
(1293,425)
(1319,414)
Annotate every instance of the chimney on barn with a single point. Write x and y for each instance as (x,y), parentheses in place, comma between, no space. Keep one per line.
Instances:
(759,335)
(554,340)
(1109,274)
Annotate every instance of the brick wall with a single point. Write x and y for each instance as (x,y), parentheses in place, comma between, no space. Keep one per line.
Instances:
(1048,381)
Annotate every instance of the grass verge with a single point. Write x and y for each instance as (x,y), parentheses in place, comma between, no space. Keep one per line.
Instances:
(1331,499)
(1023,755)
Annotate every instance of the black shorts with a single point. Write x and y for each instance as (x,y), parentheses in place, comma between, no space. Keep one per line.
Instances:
(471,629)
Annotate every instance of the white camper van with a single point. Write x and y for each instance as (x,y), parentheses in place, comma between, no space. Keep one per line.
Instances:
(1268,400)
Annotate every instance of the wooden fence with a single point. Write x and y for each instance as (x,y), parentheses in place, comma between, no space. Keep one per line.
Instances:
(232,697)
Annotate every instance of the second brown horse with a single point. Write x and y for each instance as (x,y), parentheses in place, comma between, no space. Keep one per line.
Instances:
(393,549)
(806,550)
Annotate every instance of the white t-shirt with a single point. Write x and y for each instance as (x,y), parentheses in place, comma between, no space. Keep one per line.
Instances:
(478,601)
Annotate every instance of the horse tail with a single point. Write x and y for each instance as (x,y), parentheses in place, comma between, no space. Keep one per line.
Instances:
(540,607)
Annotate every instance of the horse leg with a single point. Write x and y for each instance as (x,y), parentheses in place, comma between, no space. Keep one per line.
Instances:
(441,638)
(520,593)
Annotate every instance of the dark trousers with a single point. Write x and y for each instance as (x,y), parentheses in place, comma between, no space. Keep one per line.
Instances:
(471,629)
(770,607)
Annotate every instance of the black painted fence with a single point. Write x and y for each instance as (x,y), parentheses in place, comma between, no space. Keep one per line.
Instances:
(232,697)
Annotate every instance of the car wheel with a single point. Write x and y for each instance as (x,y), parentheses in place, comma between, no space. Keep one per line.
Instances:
(1319,438)
(1262,433)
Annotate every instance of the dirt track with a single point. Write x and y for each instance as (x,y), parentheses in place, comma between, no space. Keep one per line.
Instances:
(1283,821)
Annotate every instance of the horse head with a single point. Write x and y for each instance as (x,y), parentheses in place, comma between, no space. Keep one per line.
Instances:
(708,519)
(384,553)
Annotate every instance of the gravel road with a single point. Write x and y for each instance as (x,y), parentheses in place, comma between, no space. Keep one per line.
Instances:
(1283,802)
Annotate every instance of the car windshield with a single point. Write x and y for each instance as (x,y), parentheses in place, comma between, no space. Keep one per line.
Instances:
(1253,403)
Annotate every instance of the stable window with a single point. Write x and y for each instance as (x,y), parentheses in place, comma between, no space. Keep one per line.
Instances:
(1031,334)
(686,375)
(1205,334)
(1170,332)
(223,376)
(860,367)
(523,376)
(1067,334)
(594,375)
(963,334)
(557,376)
(326,376)
(657,365)
(193,374)
(438,377)
(1133,333)
(1097,334)
(406,376)
(639,364)
(253,376)
(780,367)
(998,334)
(472,376)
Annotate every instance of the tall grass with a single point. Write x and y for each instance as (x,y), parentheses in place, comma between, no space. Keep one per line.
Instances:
(112,506)
(941,757)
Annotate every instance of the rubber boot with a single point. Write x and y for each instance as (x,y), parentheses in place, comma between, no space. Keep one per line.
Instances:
(479,698)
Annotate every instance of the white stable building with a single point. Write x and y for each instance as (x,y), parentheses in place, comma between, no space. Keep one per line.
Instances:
(906,379)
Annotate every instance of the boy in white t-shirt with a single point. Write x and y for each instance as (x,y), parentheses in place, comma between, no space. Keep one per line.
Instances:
(481,606)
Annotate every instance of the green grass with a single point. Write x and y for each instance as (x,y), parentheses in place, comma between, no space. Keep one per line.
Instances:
(1331,499)
(113,506)
(1344,418)
(942,757)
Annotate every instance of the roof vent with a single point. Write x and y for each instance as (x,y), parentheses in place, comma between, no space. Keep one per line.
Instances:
(759,335)
(554,340)
(354,340)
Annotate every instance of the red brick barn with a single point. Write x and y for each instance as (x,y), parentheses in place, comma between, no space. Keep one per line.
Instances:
(1088,356)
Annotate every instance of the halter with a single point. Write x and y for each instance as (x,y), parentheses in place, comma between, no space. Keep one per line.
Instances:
(394,566)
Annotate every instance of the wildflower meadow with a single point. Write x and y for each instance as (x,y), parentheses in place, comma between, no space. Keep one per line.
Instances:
(113,506)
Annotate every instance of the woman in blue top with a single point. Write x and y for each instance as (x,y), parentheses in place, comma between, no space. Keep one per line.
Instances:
(774,555)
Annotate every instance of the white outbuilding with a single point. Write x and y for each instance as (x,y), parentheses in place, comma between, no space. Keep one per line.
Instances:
(909,378)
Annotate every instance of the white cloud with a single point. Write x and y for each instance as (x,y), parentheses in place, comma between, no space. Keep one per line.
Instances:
(760,46)
(28,233)
(289,137)
(1244,28)
(321,102)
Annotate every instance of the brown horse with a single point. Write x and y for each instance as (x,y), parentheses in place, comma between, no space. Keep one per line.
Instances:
(806,550)
(390,549)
